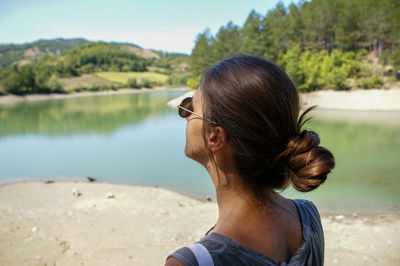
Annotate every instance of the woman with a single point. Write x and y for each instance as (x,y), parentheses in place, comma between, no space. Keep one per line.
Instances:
(243,127)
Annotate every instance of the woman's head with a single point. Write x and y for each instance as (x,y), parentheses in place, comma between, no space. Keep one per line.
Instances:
(257,105)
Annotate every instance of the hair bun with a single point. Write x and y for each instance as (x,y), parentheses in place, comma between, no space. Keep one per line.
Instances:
(308,163)
(304,142)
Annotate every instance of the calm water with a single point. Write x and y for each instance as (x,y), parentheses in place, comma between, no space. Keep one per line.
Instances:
(136,139)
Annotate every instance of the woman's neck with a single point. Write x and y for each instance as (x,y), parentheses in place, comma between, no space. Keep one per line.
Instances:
(235,203)
(235,200)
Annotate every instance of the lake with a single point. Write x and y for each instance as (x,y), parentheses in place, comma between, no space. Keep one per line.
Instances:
(136,139)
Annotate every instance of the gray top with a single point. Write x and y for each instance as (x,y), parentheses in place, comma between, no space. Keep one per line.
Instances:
(225,251)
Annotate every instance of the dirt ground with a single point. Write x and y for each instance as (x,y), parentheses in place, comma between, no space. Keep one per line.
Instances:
(79,223)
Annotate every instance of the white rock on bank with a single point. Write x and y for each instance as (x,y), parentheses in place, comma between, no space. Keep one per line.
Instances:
(76,192)
(339,217)
(109,195)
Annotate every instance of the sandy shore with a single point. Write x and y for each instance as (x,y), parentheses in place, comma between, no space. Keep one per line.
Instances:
(45,224)
(361,100)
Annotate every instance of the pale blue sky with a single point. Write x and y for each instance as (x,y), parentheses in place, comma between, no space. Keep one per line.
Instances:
(168,25)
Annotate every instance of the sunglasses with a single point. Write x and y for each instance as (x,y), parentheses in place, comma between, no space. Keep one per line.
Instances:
(185,109)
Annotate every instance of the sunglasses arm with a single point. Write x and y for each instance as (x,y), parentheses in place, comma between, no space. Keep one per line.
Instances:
(196,114)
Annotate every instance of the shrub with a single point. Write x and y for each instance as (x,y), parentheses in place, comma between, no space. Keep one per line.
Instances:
(88,68)
(290,62)
(193,82)
(112,87)
(146,83)
(373,81)
(94,87)
(319,70)
(13,83)
(132,83)
(53,84)
(78,89)
(384,58)
(178,78)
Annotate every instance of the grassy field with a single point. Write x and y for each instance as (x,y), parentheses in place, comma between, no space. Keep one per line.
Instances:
(122,77)
(84,81)
(105,79)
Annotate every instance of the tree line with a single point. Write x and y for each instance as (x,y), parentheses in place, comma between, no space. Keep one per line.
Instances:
(321,43)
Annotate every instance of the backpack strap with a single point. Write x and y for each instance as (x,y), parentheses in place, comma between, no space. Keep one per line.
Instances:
(202,255)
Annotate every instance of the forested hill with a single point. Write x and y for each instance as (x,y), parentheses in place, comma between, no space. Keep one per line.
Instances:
(320,43)
(28,52)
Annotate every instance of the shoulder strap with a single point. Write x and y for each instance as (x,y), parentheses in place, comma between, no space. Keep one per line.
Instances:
(202,255)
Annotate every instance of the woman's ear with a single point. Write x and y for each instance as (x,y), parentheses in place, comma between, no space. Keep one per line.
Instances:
(216,139)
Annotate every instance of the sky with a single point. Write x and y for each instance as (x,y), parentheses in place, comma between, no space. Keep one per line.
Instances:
(167,25)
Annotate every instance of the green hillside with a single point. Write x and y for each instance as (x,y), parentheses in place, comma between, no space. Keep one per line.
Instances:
(25,53)
(71,70)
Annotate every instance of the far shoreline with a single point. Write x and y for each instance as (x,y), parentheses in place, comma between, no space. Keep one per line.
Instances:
(12,99)
(387,100)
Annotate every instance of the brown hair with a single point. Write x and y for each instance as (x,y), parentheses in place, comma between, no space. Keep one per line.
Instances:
(258,106)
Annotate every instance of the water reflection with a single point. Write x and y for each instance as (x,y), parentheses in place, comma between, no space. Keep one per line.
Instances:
(94,114)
